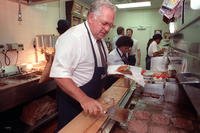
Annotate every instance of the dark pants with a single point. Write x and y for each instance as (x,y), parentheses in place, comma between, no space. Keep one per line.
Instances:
(109,80)
(69,108)
(73,109)
(148,62)
(132,60)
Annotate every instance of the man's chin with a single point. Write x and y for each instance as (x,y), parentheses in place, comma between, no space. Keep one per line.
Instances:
(102,36)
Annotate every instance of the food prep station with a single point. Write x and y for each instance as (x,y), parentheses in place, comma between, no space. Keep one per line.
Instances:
(156,107)
(164,105)
(161,106)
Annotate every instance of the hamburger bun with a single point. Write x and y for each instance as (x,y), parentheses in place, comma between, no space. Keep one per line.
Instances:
(124,69)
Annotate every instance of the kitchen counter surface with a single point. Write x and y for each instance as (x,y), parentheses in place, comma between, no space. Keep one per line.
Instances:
(193,94)
(17,90)
(10,83)
(150,113)
(90,123)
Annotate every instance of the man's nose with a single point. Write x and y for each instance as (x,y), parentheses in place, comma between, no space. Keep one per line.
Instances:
(107,28)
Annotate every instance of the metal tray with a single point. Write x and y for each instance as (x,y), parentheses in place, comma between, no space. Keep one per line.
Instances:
(189,79)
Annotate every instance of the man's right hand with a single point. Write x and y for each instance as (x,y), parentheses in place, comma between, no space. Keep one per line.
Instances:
(91,106)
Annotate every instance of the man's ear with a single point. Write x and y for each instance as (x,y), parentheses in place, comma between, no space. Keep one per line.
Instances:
(91,17)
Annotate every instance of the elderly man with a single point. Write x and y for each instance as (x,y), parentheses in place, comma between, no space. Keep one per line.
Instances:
(80,65)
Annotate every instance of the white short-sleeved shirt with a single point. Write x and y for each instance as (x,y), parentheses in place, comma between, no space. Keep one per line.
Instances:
(114,58)
(74,57)
(115,40)
(153,47)
(135,47)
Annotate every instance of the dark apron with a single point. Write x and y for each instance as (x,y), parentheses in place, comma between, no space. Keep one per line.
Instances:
(132,60)
(148,62)
(69,108)
(148,58)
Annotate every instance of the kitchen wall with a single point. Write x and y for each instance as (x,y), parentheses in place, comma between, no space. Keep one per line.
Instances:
(36,19)
(42,19)
(143,22)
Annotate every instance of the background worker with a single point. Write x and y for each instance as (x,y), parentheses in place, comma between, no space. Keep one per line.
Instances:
(148,58)
(135,54)
(120,32)
(119,56)
(155,54)
(62,26)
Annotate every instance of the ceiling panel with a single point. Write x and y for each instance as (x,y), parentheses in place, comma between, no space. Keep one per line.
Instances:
(155,3)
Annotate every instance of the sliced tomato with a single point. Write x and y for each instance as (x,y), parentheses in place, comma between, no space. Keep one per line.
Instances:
(143,71)
(162,75)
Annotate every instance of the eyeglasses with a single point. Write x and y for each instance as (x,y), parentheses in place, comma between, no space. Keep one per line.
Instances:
(104,23)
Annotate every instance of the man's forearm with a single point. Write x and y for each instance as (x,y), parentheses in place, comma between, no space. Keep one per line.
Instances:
(138,57)
(158,53)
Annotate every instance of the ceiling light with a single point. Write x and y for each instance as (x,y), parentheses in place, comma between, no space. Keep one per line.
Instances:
(134,5)
(195,4)
(172,27)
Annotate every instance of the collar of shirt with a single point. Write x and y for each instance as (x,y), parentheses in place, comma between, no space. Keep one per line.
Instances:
(122,53)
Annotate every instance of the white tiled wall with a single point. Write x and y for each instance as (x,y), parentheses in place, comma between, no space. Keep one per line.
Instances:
(36,19)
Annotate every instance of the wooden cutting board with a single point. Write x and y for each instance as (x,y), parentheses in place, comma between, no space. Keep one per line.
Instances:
(90,124)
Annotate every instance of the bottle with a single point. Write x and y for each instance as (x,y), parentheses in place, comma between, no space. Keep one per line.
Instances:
(171,71)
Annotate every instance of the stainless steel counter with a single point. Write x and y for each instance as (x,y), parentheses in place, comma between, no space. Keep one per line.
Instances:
(15,91)
(151,112)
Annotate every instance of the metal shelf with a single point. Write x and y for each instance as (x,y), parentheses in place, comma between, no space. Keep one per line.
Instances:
(186,40)
(76,9)
(190,55)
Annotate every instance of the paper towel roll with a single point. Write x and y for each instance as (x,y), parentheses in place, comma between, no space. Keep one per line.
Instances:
(159,64)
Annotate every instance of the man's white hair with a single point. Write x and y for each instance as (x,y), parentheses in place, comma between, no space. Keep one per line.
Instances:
(96,5)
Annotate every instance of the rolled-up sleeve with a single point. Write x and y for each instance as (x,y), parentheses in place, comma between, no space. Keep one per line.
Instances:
(66,57)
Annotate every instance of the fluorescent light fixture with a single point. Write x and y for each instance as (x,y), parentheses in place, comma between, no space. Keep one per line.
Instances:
(134,5)
(171,27)
(195,4)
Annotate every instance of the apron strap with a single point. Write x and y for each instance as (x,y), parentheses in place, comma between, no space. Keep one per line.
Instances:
(95,58)
(125,62)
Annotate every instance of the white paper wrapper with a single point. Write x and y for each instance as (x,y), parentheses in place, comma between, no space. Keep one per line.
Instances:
(159,64)
(136,73)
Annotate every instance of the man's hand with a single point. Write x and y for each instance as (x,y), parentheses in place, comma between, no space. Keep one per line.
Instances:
(118,75)
(163,50)
(91,106)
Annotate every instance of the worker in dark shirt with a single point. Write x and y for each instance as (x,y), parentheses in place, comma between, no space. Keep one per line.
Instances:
(63,25)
